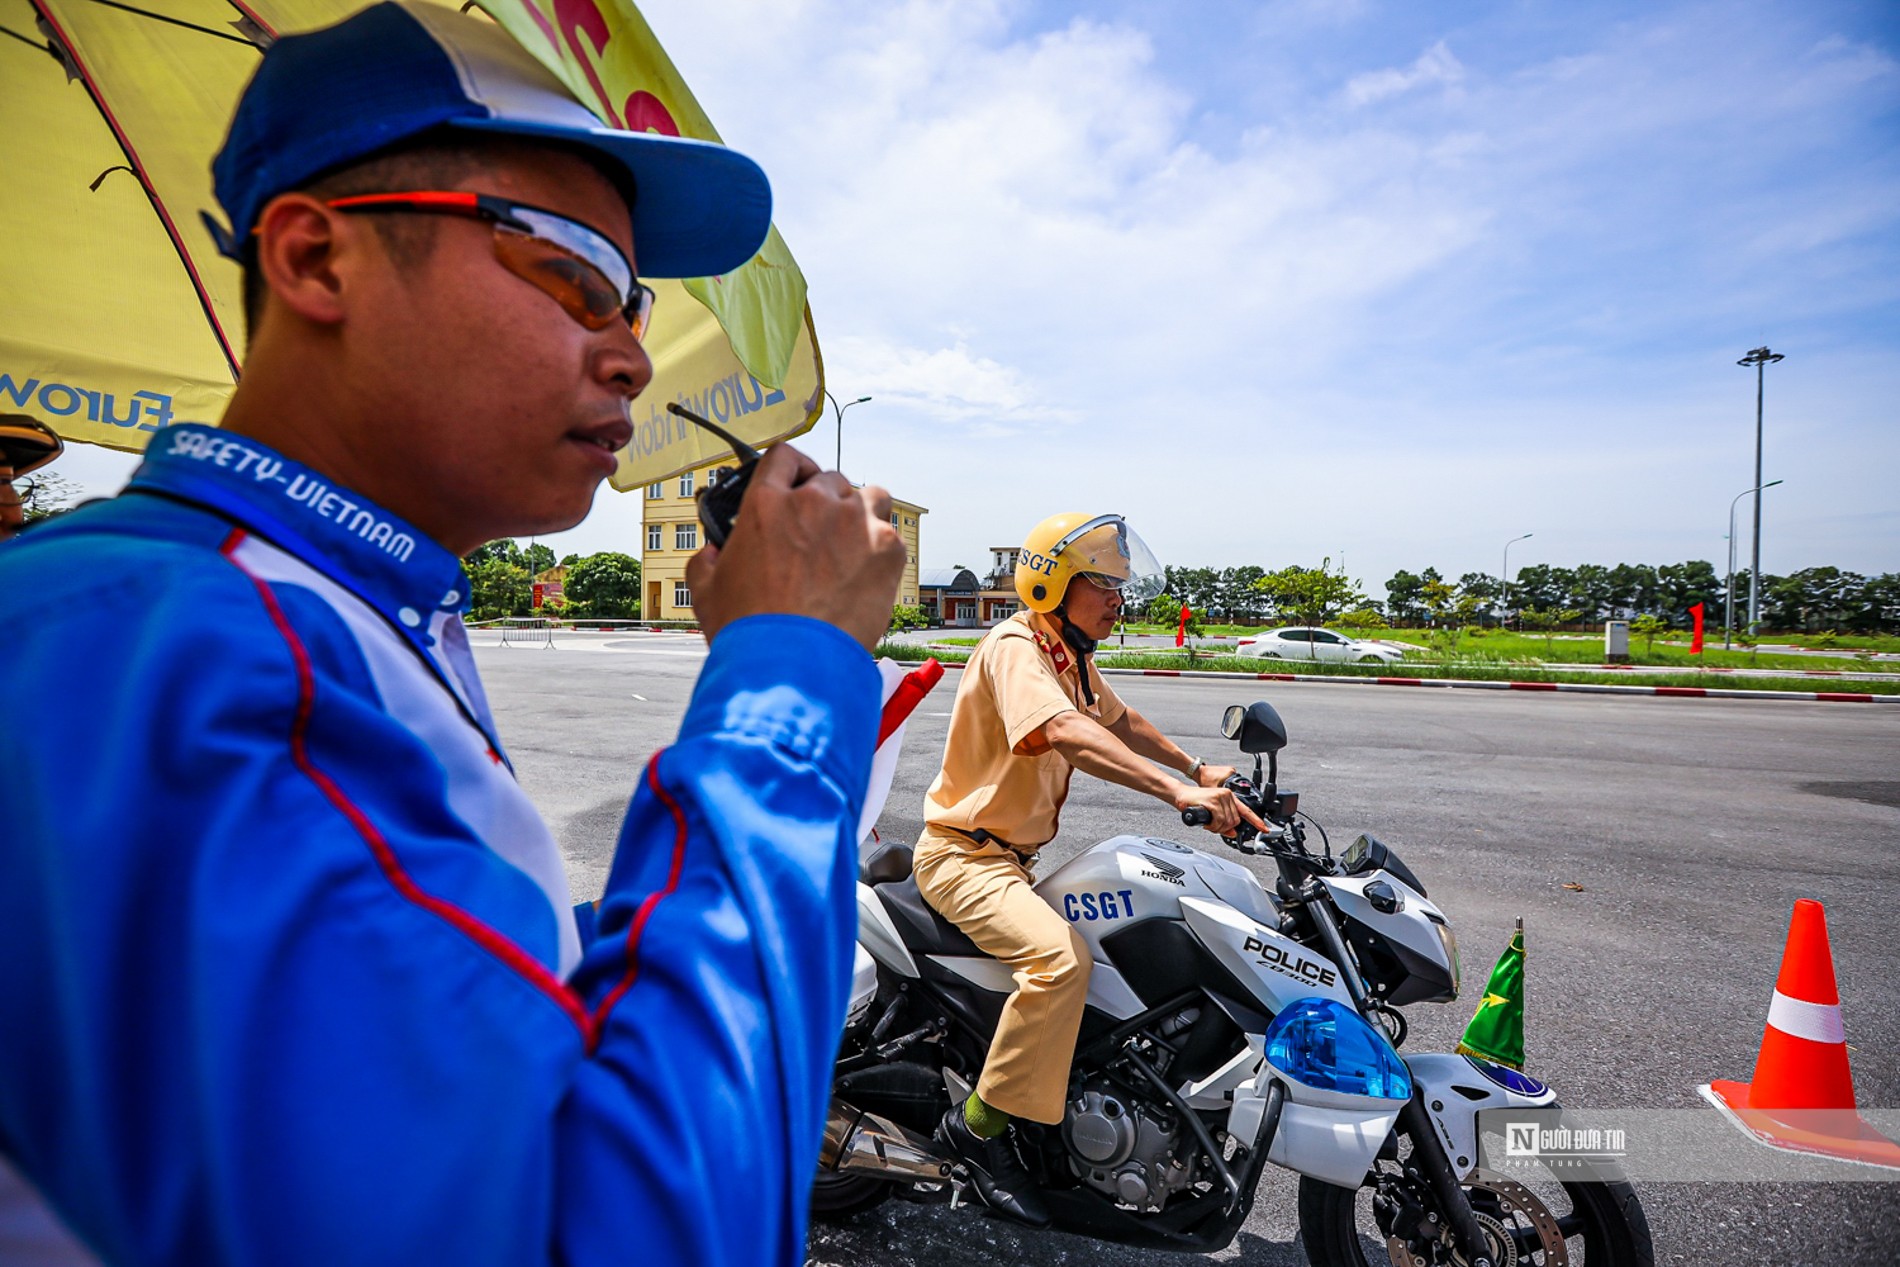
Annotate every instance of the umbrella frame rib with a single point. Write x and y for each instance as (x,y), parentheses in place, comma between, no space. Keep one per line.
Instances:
(170,21)
(138,168)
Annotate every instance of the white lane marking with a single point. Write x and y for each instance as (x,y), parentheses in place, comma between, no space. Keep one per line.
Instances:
(641,698)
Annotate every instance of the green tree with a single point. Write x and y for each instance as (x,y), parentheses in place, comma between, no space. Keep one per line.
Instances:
(1539,585)
(1450,608)
(1310,596)
(1813,599)
(1879,606)
(1481,586)
(903,617)
(605,585)
(1197,587)
(1590,589)
(1404,598)
(503,550)
(536,559)
(46,495)
(1364,616)
(1240,596)
(1680,586)
(1646,627)
(1165,610)
(1632,588)
(498,587)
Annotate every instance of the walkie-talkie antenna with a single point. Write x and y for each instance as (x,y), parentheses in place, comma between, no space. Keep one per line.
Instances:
(719,500)
(740,449)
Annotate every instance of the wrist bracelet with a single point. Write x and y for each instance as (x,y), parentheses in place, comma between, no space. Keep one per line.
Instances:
(1194,771)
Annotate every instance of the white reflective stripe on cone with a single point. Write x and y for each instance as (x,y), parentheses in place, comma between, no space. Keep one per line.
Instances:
(1818,1022)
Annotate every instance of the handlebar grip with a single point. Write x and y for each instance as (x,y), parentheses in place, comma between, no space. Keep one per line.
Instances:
(1199,816)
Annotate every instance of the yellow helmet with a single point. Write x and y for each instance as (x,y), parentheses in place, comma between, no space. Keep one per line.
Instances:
(1101,547)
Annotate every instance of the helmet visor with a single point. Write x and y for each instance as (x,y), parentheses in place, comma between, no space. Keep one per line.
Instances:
(1112,555)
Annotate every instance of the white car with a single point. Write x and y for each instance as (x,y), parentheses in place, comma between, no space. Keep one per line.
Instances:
(1295,642)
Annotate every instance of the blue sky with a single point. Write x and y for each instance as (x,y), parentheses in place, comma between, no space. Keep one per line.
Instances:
(1305,279)
(1322,278)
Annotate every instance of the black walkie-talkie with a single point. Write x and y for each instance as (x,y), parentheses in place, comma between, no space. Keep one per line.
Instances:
(719,501)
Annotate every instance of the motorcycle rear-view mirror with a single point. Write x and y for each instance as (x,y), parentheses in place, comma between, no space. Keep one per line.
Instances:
(1256,726)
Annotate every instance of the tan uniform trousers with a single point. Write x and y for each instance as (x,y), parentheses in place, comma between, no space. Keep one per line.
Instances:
(984,889)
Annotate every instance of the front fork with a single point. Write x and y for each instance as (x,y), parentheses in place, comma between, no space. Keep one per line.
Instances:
(1434,1166)
(1428,1151)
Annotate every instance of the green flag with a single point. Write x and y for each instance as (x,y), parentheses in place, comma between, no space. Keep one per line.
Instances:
(1496,1033)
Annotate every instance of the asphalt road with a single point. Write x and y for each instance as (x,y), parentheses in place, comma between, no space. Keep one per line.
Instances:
(1691,825)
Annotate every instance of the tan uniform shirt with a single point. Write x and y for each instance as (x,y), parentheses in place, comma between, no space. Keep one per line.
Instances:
(999,773)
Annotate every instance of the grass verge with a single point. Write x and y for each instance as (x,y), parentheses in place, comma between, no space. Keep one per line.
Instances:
(1248,667)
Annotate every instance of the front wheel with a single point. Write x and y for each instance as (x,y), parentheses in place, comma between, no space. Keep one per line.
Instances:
(1556,1225)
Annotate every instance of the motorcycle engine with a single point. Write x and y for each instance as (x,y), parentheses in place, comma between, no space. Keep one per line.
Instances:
(1126,1148)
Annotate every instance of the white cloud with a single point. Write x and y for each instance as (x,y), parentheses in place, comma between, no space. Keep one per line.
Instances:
(945,385)
(1435,65)
(1320,326)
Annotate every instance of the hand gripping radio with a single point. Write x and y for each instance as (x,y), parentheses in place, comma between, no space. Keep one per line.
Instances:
(719,501)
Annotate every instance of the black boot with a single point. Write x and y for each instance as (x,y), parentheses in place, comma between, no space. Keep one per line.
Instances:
(1001,1178)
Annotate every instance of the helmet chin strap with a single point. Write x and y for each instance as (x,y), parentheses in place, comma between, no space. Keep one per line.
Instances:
(1084,648)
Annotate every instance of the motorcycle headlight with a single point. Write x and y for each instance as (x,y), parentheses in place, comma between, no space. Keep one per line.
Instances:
(1328,1046)
(1449,940)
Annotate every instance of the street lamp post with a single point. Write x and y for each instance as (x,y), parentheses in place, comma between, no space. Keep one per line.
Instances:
(1504,578)
(838,412)
(1728,615)
(1760,358)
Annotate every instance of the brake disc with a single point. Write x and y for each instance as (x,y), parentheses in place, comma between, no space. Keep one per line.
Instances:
(1518,1208)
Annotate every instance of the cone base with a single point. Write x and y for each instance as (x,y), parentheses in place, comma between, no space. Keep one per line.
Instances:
(1837,1133)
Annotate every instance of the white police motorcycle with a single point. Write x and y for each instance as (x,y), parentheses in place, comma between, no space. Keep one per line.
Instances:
(1226,1028)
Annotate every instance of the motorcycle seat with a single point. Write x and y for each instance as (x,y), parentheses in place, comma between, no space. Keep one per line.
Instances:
(923,931)
(888,863)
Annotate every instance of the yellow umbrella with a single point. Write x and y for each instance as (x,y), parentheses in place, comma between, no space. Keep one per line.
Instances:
(120,316)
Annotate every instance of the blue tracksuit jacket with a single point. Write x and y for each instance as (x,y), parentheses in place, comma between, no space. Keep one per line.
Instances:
(289,971)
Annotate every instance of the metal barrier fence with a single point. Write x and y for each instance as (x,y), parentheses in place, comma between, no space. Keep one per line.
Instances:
(527,631)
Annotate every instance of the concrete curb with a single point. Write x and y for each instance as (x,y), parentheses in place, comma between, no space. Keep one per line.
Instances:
(1585,688)
(1582,688)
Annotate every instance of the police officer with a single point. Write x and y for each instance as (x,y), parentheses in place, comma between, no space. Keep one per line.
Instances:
(1031,709)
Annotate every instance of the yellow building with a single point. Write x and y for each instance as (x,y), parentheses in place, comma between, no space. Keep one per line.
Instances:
(671,532)
(908,519)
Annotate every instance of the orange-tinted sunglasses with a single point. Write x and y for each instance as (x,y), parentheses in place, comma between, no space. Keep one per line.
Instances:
(577,266)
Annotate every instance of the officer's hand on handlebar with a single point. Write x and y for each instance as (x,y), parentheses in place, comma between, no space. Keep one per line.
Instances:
(1215,775)
(1222,809)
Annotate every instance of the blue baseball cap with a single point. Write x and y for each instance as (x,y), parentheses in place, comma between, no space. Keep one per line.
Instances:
(325,99)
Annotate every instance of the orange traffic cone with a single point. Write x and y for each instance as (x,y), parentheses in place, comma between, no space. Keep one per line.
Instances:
(1802,1098)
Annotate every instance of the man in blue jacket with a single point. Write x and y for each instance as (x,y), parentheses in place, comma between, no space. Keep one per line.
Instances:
(290,971)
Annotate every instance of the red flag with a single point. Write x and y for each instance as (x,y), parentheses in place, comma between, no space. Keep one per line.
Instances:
(1180,635)
(1695,648)
(909,694)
